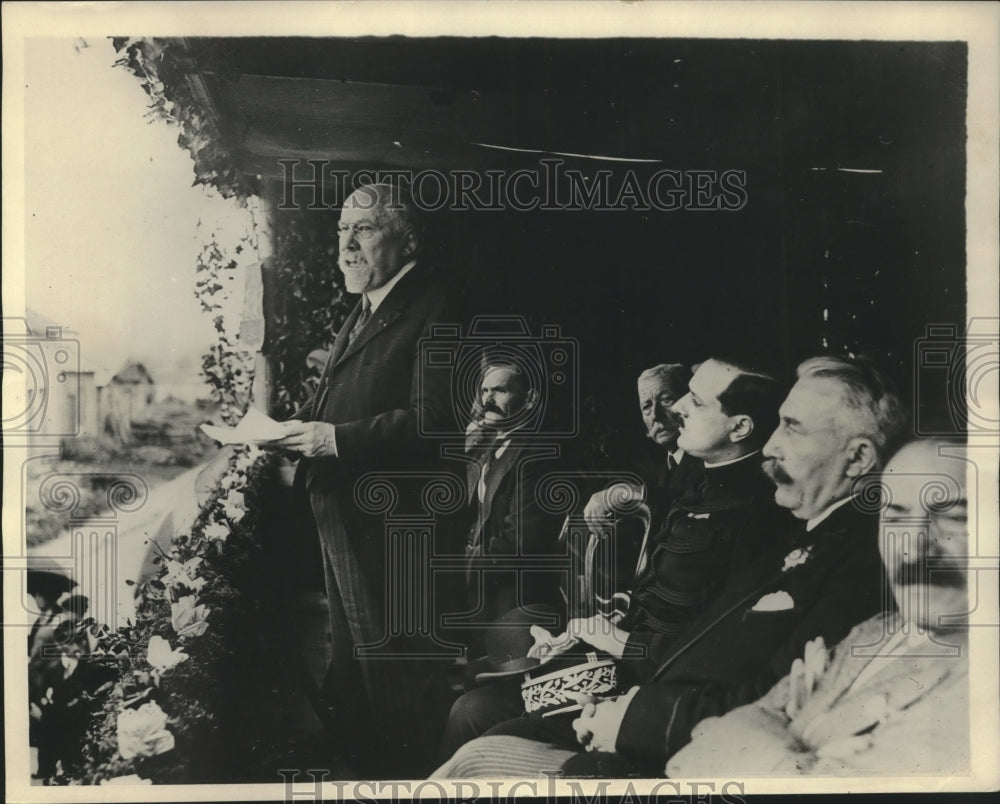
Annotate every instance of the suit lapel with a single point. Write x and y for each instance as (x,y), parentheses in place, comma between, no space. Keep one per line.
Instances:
(392,308)
(496,472)
(340,342)
(380,321)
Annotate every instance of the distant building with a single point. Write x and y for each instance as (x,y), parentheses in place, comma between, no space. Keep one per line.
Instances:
(135,385)
(125,397)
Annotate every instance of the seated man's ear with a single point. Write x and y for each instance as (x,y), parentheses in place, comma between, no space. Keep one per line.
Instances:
(861,457)
(531,398)
(409,242)
(742,428)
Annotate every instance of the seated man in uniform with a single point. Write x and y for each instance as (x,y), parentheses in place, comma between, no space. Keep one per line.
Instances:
(727,519)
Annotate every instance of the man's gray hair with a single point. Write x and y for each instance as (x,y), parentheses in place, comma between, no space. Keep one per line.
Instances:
(394,203)
(675,376)
(869,393)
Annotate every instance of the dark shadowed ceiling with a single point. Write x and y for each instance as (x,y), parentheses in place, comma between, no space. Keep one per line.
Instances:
(851,238)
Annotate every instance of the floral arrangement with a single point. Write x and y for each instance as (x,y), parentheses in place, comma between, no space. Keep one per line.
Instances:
(227,366)
(159,721)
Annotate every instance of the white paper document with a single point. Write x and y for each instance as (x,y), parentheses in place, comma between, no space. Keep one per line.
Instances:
(253,428)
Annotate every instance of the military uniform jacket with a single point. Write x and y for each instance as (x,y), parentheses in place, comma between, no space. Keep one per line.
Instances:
(727,521)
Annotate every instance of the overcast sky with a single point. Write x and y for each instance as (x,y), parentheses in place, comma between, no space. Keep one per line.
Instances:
(112,217)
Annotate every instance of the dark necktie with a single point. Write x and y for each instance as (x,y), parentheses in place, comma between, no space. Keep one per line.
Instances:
(366,313)
(671,463)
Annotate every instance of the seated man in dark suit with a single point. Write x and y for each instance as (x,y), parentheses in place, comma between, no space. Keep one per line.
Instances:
(508,533)
(838,424)
(502,480)
(893,697)
(675,471)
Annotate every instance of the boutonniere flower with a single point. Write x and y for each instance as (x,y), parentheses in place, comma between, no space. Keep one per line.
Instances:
(775,601)
(216,531)
(161,657)
(796,557)
(132,778)
(234,506)
(143,732)
(183,574)
(187,618)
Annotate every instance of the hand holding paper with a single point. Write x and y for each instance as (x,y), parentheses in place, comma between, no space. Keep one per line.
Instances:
(255,427)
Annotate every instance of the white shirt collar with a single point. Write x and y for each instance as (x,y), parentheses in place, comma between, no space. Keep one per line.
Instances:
(734,460)
(677,454)
(377,296)
(812,523)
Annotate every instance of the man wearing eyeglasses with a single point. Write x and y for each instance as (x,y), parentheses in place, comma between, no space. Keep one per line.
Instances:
(368,414)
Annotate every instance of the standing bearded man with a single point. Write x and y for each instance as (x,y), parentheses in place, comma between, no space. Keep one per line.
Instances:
(369,411)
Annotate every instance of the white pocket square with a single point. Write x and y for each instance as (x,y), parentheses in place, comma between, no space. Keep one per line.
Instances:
(775,601)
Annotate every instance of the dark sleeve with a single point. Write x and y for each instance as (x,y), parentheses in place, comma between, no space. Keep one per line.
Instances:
(644,651)
(396,434)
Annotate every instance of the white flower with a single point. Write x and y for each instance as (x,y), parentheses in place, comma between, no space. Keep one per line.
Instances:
(132,778)
(216,531)
(796,557)
(178,573)
(775,601)
(69,664)
(161,657)
(187,618)
(234,506)
(143,732)
(253,454)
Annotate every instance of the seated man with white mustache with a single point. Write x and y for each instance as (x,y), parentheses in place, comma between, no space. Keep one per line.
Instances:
(893,698)
(839,423)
